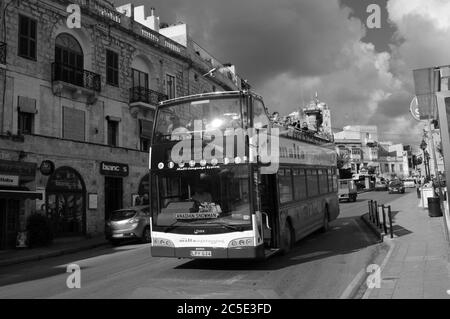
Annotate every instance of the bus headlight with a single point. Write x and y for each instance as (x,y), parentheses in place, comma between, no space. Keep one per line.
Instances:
(242,242)
(162,242)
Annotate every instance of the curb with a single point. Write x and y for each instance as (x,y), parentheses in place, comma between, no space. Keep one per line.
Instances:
(50,254)
(380,235)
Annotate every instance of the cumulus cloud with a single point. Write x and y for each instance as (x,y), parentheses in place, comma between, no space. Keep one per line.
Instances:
(290,49)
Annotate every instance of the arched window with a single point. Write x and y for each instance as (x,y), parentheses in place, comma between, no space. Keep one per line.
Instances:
(69,59)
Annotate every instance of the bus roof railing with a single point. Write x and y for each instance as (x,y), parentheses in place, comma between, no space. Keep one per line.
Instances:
(303,136)
(208,95)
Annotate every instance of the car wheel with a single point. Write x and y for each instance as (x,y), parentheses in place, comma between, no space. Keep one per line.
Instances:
(287,239)
(146,236)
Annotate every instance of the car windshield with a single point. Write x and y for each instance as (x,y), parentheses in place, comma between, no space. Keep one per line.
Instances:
(213,196)
(396,184)
(122,215)
(174,122)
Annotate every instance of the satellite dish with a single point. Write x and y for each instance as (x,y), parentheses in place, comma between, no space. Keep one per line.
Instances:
(414,109)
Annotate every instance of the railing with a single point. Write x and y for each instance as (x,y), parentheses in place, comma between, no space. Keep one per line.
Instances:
(2,53)
(82,78)
(142,94)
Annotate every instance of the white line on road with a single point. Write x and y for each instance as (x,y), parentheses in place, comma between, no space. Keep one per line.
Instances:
(383,265)
(233,279)
(355,282)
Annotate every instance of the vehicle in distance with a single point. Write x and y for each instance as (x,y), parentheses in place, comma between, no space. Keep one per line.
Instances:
(396,187)
(381,186)
(347,190)
(409,183)
(129,224)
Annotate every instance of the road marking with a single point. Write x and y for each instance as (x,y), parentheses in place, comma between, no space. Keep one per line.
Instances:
(383,265)
(360,276)
(355,282)
(233,279)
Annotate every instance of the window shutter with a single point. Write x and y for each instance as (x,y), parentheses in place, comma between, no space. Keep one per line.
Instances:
(73,124)
(146,129)
(27,105)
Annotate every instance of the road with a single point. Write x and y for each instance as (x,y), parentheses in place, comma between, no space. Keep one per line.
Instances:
(320,266)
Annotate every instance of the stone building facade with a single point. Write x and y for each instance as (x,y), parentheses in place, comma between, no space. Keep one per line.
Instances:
(77,107)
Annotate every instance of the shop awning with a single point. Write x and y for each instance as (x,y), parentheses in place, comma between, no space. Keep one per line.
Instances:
(20,194)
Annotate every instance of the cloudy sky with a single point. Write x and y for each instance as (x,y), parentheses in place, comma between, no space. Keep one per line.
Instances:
(289,49)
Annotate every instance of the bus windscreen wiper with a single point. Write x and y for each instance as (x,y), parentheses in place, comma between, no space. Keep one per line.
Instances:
(225,225)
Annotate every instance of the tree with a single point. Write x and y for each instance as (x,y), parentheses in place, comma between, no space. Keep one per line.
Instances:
(342,160)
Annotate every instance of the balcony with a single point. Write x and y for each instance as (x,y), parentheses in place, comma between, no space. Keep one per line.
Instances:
(77,81)
(2,55)
(145,99)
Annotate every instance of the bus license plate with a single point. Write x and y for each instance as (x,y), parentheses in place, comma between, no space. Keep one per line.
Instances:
(201,253)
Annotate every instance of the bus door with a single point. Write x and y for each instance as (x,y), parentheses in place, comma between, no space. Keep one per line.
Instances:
(269,205)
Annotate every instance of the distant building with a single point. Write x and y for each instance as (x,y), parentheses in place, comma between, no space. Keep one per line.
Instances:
(360,143)
(367,155)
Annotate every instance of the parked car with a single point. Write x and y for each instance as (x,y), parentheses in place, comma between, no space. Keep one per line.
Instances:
(396,187)
(409,183)
(129,224)
(381,186)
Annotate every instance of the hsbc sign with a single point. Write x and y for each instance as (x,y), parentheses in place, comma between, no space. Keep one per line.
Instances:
(114,169)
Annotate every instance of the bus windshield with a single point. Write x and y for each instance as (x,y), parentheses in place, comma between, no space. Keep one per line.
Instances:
(189,117)
(210,197)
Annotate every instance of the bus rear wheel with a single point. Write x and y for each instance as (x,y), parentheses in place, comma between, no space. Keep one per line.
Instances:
(287,238)
(326,221)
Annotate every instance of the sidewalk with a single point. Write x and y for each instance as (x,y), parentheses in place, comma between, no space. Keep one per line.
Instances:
(417,264)
(59,247)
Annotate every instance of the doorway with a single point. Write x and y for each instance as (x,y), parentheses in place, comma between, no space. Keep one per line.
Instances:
(9,222)
(113,195)
(269,204)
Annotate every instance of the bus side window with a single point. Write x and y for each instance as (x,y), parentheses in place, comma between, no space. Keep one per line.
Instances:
(323,182)
(300,184)
(285,185)
(330,180)
(313,183)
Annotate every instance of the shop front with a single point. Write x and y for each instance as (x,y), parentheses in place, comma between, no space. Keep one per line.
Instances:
(66,202)
(14,178)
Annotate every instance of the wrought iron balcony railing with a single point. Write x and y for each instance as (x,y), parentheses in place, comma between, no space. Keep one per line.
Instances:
(78,77)
(2,53)
(144,95)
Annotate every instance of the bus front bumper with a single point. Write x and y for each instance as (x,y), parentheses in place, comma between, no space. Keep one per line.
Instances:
(209,252)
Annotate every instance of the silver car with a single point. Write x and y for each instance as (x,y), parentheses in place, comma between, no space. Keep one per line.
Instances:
(129,223)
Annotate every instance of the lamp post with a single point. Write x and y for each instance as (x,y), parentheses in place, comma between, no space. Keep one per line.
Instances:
(426,156)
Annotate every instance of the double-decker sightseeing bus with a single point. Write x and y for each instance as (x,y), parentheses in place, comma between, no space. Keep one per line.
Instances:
(214,194)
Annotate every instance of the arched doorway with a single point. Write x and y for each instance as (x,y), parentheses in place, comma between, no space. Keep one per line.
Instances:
(69,59)
(66,202)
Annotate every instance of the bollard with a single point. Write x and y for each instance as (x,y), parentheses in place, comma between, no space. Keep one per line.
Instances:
(384,219)
(391,230)
(377,216)
(370,209)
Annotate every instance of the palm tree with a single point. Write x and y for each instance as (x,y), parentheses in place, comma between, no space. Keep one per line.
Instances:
(342,160)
